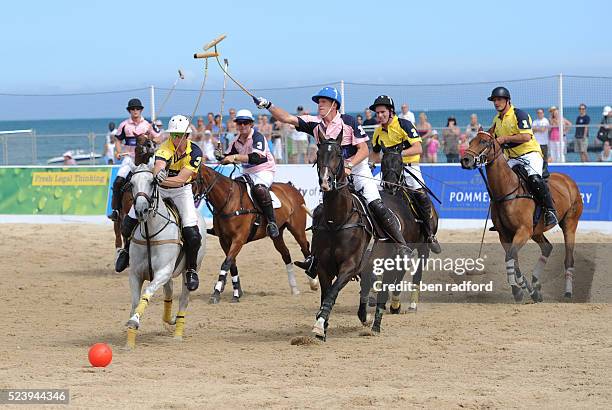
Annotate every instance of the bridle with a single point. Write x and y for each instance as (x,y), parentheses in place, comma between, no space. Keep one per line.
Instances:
(481,158)
(395,152)
(338,178)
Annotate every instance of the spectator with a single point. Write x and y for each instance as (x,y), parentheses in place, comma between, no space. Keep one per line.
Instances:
(473,127)
(109,145)
(231,124)
(555,140)
(68,160)
(299,143)
(265,128)
(211,121)
(369,118)
(198,135)
(450,142)
(606,124)
(208,144)
(359,119)
(541,128)
(159,125)
(277,141)
(424,129)
(463,145)
(581,137)
(407,114)
(432,147)
(606,153)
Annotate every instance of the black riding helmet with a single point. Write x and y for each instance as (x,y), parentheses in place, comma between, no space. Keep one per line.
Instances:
(383,100)
(134,103)
(501,92)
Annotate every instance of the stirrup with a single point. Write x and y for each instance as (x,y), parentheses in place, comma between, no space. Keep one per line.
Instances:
(123,260)
(433,244)
(113,216)
(550,218)
(272,230)
(191,280)
(308,265)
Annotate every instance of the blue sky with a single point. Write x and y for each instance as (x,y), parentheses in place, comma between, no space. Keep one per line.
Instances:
(76,46)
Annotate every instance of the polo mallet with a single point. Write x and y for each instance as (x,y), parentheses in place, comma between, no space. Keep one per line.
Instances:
(180,77)
(214,43)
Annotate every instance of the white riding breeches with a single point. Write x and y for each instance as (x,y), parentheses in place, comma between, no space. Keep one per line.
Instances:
(532,162)
(411,182)
(262,178)
(183,199)
(363,180)
(127,163)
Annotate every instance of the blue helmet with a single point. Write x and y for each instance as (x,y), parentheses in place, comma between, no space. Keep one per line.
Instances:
(328,92)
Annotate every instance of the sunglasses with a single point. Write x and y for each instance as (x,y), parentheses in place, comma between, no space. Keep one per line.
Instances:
(243,122)
(176,134)
(134,109)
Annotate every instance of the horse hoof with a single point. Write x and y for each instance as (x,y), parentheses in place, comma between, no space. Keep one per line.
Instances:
(536,296)
(412,308)
(215,298)
(133,324)
(128,347)
(517,293)
(376,330)
(177,338)
(362,314)
(295,291)
(321,338)
(314,284)
(395,311)
(372,301)
(235,299)
(537,285)
(319,327)
(568,295)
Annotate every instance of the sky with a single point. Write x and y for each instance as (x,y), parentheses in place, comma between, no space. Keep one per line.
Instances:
(82,46)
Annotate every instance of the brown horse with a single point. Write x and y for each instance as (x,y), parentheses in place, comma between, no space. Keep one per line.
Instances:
(236,221)
(512,210)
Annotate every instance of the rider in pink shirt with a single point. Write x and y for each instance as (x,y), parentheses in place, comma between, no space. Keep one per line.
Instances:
(250,149)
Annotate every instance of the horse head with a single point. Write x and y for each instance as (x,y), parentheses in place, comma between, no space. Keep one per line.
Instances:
(145,149)
(483,150)
(392,167)
(143,191)
(330,163)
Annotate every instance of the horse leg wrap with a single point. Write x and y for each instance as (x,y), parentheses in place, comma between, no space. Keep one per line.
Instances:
(291,278)
(142,305)
(131,337)
(510,272)
(221,281)
(180,324)
(395,302)
(167,311)
(539,267)
(569,279)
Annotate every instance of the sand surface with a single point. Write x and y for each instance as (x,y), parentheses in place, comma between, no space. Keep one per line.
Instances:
(60,295)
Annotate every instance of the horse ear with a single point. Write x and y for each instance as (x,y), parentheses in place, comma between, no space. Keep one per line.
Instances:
(339,137)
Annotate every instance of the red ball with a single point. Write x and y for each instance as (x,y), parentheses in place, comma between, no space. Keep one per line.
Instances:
(100,355)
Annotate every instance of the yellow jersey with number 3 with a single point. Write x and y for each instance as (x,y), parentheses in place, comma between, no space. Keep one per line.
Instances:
(191,159)
(399,131)
(514,122)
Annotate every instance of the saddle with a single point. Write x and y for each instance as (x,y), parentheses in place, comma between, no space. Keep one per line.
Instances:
(370,222)
(523,178)
(246,179)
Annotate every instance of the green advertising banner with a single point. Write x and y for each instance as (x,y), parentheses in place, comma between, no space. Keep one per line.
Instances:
(53,191)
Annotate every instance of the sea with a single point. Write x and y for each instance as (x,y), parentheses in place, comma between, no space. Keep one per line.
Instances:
(54,137)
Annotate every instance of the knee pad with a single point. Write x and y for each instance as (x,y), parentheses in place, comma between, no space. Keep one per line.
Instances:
(128,225)
(192,236)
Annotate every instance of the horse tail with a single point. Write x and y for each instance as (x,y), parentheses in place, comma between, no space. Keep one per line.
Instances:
(308,211)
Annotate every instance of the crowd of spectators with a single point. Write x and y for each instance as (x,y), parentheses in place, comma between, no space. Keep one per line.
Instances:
(452,140)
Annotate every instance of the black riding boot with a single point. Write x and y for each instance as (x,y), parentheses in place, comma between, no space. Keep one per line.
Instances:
(540,190)
(123,257)
(309,265)
(192,241)
(262,195)
(116,201)
(387,220)
(424,210)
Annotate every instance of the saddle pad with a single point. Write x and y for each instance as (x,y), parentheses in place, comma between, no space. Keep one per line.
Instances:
(276,203)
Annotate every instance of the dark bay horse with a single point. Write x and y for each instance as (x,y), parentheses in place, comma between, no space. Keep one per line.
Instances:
(341,237)
(393,182)
(512,210)
(235,219)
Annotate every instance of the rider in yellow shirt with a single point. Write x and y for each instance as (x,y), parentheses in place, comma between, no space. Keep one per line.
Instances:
(512,129)
(397,133)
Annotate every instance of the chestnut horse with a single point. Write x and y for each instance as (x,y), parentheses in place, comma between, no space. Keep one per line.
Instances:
(234,222)
(512,210)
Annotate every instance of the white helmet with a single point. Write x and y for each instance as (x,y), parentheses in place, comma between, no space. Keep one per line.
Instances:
(244,115)
(607,110)
(179,124)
